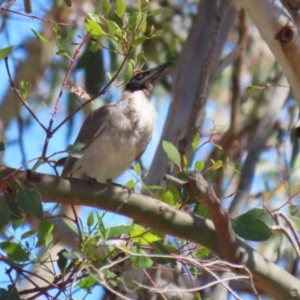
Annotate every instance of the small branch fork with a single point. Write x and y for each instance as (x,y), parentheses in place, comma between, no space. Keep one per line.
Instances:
(199,188)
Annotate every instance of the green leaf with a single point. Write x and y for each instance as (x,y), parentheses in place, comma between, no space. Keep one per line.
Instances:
(109,75)
(141,59)
(102,229)
(45,236)
(17,223)
(93,28)
(45,227)
(14,251)
(199,165)
(138,41)
(87,283)
(129,72)
(4,52)
(196,141)
(250,227)
(94,46)
(28,234)
(74,255)
(29,201)
(144,24)
(62,52)
(142,236)
(113,28)
(105,6)
(2,146)
(167,198)
(76,149)
(200,210)
(118,230)
(202,252)
(90,219)
(62,260)
(56,27)
(217,165)
(143,262)
(130,184)
(157,11)
(120,8)
(94,17)
(139,5)
(40,37)
(138,169)
(71,34)
(4,213)
(172,152)
(134,20)
(295,221)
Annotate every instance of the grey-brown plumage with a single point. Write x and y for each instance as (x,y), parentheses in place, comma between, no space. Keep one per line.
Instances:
(115,135)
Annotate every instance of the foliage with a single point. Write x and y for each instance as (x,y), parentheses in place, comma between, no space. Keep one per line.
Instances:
(109,45)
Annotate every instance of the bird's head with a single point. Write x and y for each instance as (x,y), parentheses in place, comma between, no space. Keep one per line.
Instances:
(145,80)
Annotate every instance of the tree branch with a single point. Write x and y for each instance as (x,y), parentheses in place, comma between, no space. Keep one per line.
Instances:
(267,276)
(280,32)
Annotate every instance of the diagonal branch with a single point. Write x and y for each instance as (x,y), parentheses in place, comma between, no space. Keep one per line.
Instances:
(267,276)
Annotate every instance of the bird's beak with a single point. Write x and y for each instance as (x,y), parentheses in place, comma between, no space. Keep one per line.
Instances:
(152,74)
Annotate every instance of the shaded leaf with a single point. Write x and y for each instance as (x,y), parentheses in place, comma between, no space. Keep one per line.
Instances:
(29,201)
(87,283)
(90,219)
(118,230)
(113,27)
(2,146)
(141,261)
(138,41)
(62,260)
(251,228)
(200,210)
(134,20)
(172,152)
(4,213)
(157,11)
(76,149)
(10,294)
(14,251)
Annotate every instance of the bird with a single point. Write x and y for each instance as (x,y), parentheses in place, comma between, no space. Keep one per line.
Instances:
(116,134)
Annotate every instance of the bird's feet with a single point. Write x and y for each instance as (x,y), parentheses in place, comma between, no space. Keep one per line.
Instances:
(90,180)
(129,189)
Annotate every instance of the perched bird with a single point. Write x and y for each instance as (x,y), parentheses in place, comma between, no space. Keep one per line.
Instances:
(116,134)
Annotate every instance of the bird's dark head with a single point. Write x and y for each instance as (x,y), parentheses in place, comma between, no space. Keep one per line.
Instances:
(145,80)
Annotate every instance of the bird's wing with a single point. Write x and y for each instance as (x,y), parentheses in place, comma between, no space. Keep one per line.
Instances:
(94,124)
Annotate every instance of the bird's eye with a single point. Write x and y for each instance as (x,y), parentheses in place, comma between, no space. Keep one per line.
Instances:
(139,76)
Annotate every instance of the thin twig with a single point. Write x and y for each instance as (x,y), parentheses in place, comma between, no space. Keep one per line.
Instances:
(20,96)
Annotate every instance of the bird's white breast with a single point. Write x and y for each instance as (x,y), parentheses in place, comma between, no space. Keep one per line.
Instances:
(125,137)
